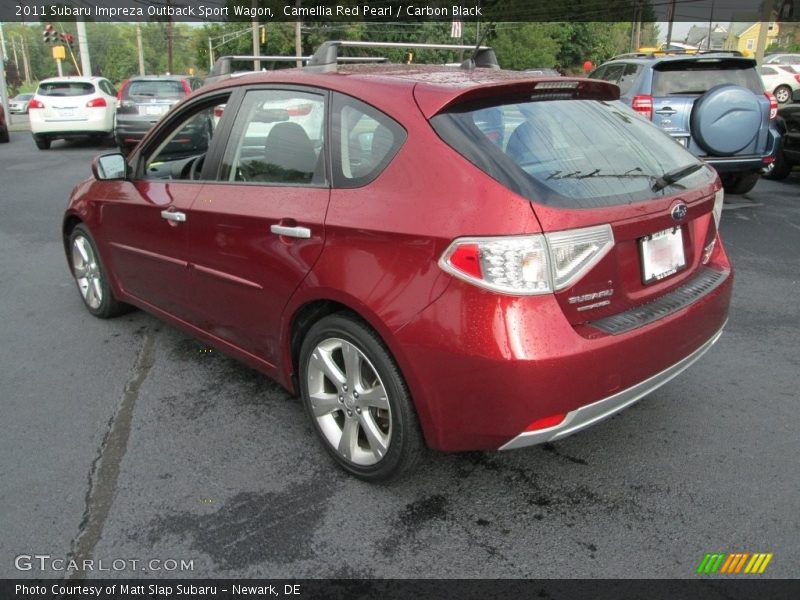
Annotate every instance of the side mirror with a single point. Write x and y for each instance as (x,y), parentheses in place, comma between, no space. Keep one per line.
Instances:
(110,166)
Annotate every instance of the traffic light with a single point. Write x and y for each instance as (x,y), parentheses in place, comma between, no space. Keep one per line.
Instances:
(49,34)
(66,38)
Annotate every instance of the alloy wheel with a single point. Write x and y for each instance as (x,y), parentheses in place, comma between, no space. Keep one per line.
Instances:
(349,402)
(87,272)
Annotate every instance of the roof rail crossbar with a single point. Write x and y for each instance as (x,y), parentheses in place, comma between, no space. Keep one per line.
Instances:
(327,55)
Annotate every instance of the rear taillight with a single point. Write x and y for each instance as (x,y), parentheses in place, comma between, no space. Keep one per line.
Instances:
(35,104)
(773,106)
(96,103)
(797,78)
(300,110)
(528,264)
(643,105)
(187,89)
(121,91)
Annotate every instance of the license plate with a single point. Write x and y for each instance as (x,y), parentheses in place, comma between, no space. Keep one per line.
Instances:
(662,254)
(154,110)
(66,112)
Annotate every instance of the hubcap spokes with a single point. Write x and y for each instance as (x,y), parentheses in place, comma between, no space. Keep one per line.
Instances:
(87,272)
(349,402)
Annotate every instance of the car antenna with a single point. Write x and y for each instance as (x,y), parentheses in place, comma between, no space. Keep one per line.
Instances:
(482,56)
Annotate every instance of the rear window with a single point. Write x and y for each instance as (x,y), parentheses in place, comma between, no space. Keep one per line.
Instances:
(679,77)
(65,88)
(171,90)
(567,153)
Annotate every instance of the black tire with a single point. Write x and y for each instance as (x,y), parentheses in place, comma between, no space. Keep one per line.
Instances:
(780,169)
(42,143)
(739,183)
(108,306)
(783,91)
(404,444)
(4,137)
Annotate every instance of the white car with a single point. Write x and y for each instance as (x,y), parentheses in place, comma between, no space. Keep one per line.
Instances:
(66,107)
(789,60)
(19,103)
(781,80)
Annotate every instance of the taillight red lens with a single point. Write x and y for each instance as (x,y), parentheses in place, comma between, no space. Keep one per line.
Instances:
(299,110)
(96,103)
(122,90)
(35,104)
(773,106)
(643,105)
(466,258)
(186,87)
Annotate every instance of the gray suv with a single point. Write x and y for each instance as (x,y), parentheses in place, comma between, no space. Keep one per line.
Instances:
(713,104)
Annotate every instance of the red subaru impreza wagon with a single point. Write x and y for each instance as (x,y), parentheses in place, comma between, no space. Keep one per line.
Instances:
(463,258)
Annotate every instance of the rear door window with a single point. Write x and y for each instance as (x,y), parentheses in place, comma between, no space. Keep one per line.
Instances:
(66,88)
(278,137)
(365,141)
(569,153)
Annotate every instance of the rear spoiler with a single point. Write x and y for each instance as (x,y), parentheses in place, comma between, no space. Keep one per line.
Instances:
(433,101)
(327,55)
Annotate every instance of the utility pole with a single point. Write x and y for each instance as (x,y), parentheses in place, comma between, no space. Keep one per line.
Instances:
(139,47)
(671,19)
(256,44)
(298,42)
(83,47)
(26,63)
(3,87)
(766,19)
(210,55)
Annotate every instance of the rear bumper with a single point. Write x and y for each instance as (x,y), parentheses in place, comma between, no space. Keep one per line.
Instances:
(590,414)
(131,129)
(483,367)
(102,122)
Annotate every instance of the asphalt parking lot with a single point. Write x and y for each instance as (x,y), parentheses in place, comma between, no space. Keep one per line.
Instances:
(128,440)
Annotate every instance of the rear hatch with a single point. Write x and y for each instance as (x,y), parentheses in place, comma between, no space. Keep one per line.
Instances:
(65,100)
(626,212)
(678,84)
(151,98)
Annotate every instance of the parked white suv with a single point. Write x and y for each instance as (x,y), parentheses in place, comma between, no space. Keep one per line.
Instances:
(66,107)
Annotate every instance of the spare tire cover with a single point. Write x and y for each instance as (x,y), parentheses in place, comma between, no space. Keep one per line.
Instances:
(726,119)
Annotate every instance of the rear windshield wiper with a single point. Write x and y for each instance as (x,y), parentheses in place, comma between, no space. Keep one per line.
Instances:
(674,175)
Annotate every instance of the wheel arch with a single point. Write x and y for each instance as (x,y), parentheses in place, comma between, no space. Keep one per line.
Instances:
(311,310)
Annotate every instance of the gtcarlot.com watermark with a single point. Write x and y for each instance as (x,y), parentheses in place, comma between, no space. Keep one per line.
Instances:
(47,563)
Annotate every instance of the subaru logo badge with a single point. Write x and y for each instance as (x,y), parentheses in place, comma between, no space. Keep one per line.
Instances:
(679,211)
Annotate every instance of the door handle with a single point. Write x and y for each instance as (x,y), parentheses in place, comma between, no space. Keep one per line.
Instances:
(295,232)
(667,110)
(171,215)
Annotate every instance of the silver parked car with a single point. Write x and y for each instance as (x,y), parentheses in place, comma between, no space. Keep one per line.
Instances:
(19,103)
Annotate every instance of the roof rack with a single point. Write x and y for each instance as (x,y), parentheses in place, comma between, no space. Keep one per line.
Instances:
(327,55)
(223,66)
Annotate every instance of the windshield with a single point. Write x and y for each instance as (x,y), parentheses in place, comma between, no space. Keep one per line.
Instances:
(568,153)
